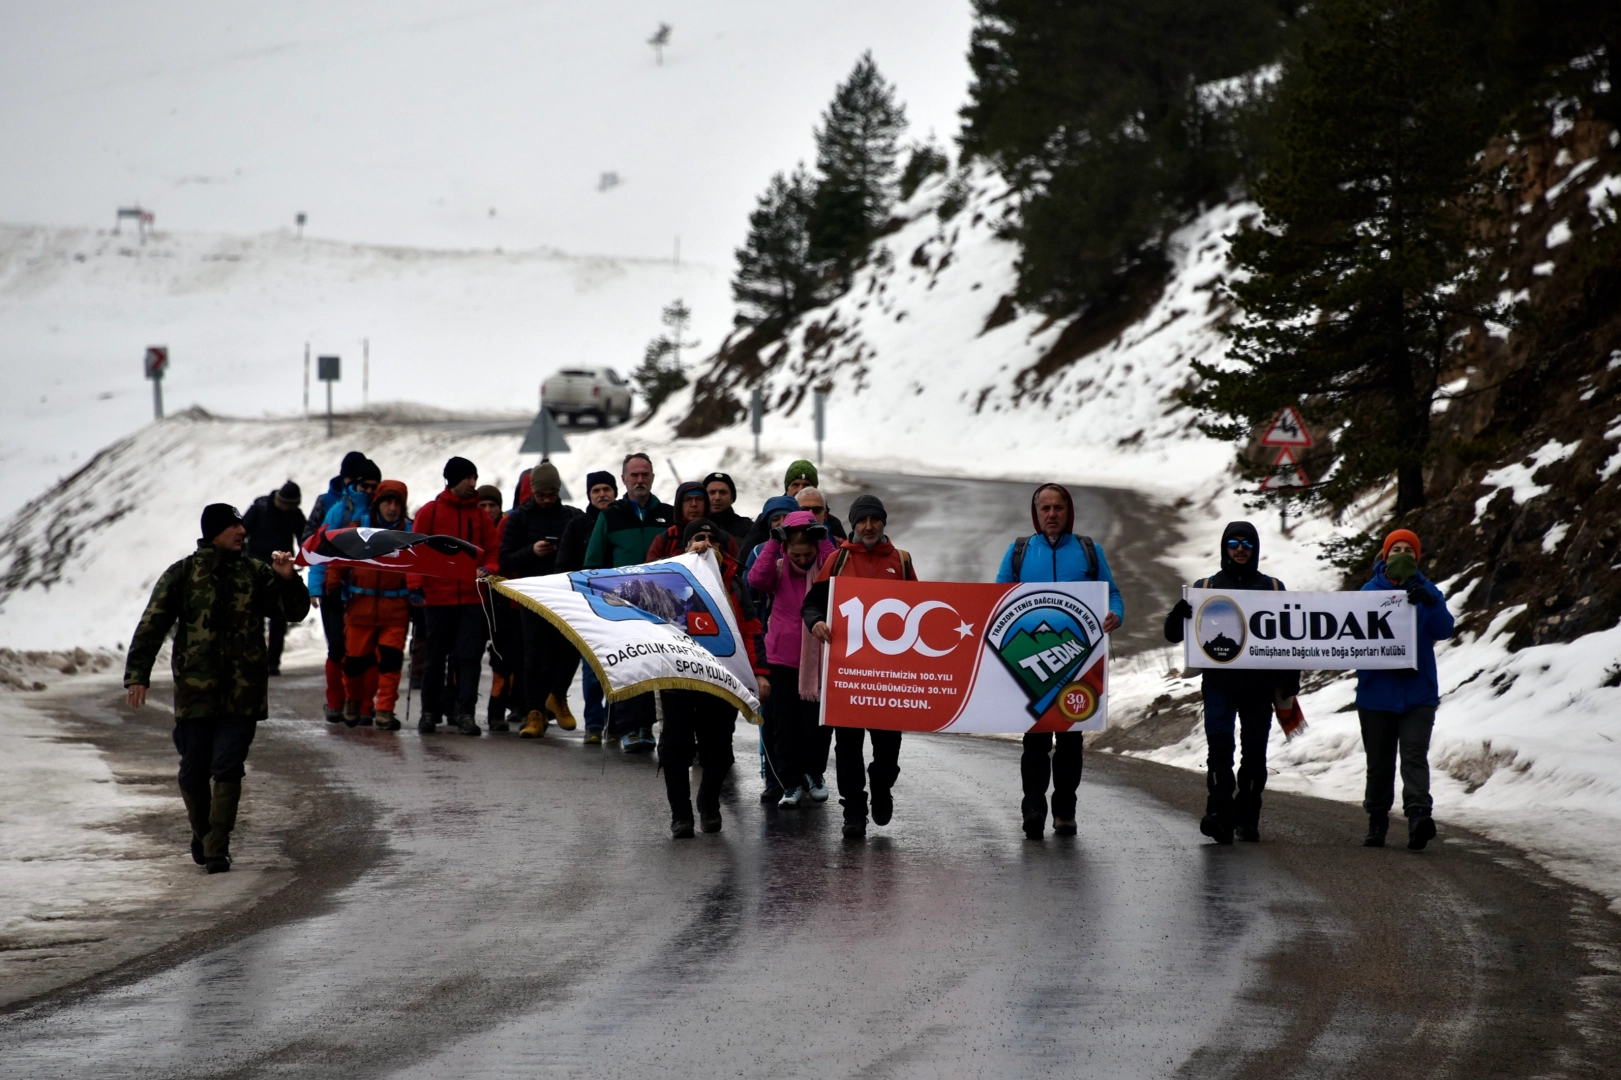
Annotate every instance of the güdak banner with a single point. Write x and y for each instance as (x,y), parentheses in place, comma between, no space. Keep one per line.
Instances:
(665,625)
(948,656)
(1309,630)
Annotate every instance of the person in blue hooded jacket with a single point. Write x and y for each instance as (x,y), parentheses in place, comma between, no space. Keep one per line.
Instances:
(1055,553)
(1397,708)
(339,512)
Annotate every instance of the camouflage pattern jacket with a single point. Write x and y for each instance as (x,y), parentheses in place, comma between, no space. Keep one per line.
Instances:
(216,601)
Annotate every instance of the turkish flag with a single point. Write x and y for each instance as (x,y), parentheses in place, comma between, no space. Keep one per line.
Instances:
(702,624)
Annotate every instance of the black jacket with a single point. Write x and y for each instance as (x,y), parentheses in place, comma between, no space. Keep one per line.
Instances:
(571,549)
(526,526)
(271,528)
(1234,576)
(732,522)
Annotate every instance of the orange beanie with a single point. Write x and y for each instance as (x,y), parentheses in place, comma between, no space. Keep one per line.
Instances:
(1402,534)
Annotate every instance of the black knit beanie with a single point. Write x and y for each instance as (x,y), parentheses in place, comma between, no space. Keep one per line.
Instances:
(696,526)
(290,494)
(369,471)
(867,506)
(458,469)
(351,464)
(723,478)
(603,477)
(217,517)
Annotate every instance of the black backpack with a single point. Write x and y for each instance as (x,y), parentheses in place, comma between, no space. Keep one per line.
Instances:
(1087,546)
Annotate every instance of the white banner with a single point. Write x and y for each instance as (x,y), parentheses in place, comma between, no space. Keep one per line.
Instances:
(1243,628)
(666,625)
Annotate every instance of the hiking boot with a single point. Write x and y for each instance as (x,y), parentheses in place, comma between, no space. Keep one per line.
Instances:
(351,713)
(428,724)
(709,821)
(1217,829)
(219,864)
(629,743)
(681,829)
(1378,826)
(387,721)
(557,705)
(855,830)
(817,788)
(647,740)
(467,725)
(197,851)
(534,726)
(1063,826)
(333,716)
(367,719)
(1035,825)
(883,806)
(497,720)
(1249,834)
(771,794)
(791,799)
(1420,831)
(593,737)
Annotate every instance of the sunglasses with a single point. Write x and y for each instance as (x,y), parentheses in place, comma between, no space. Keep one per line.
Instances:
(1235,544)
(817,510)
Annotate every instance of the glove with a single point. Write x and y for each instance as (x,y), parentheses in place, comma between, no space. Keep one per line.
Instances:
(415,598)
(1417,593)
(1182,610)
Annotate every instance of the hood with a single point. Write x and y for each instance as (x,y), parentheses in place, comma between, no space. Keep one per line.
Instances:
(1244,531)
(396,489)
(690,487)
(1069,500)
(450,498)
(786,504)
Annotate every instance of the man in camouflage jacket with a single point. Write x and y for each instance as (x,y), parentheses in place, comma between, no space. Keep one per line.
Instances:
(216,600)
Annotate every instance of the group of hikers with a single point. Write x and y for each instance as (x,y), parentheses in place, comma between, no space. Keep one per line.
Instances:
(776,568)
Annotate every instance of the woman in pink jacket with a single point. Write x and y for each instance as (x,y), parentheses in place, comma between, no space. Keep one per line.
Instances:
(795,742)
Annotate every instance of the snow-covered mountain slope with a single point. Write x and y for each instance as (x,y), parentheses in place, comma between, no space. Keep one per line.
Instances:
(397,127)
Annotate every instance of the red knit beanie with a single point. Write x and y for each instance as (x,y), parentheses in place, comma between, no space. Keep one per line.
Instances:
(1402,534)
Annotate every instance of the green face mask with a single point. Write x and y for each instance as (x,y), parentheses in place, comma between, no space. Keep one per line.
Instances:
(1401,567)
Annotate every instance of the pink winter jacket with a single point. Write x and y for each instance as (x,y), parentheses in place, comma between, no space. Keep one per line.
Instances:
(774,574)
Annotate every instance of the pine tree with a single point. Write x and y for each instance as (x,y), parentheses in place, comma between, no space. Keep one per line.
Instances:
(925,160)
(856,147)
(776,276)
(661,373)
(1362,273)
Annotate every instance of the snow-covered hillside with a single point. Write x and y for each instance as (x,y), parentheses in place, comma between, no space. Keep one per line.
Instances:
(422,140)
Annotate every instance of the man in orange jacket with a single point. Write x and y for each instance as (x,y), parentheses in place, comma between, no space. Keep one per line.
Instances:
(869,555)
(376,615)
(457,629)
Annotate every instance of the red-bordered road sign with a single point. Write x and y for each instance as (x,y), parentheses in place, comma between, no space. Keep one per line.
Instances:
(1278,481)
(1288,429)
(157,361)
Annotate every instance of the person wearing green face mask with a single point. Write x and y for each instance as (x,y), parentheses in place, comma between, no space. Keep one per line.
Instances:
(1397,708)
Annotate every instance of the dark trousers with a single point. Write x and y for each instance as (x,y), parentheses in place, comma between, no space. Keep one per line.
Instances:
(1383,734)
(796,744)
(1253,711)
(278,638)
(637,714)
(419,646)
(214,748)
(885,767)
(694,723)
(1064,768)
(456,635)
(596,709)
(548,660)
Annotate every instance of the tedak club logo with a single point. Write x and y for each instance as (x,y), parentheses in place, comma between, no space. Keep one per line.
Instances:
(1219,629)
(1045,640)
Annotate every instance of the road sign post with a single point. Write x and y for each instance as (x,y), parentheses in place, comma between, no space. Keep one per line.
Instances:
(820,404)
(327,369)
(156,364)
(756,417)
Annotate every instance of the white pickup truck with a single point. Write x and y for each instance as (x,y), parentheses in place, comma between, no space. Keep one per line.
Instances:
(595,392)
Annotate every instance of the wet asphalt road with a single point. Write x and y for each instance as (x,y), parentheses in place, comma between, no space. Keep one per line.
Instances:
(517,909)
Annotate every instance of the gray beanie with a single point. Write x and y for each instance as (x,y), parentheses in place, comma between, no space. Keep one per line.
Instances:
(867,506)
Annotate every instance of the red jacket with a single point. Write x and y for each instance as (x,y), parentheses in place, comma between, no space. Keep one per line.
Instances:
(668,544)
(449,515)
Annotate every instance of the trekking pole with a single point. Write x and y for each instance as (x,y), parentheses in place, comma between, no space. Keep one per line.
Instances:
(410,637)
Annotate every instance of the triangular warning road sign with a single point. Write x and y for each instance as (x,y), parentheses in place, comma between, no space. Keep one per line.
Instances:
(1285,479)
(544,437)
(1288,428)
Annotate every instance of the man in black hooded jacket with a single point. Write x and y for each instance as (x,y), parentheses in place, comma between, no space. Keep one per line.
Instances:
(529,545)
(1248,695)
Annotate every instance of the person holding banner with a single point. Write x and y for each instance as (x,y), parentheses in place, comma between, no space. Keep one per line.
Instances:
(871,555)
(1397,708)
(701,723)
(796,745)
(1247,695)
(1054,553)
